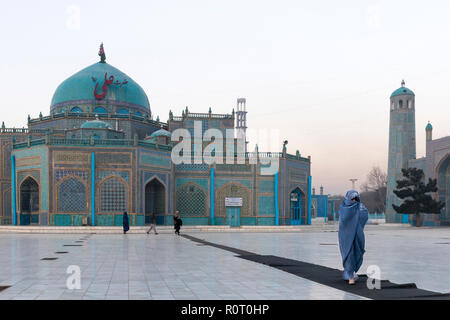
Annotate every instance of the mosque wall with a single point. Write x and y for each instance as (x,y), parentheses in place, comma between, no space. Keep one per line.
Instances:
(31,167)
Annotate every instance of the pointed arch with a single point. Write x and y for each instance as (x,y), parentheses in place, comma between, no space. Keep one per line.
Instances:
(29,195)
(191,200)
(113,195)
(155,198)
(233,189)
(72,195)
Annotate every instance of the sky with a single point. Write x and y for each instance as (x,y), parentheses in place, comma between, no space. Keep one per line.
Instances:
(316,73)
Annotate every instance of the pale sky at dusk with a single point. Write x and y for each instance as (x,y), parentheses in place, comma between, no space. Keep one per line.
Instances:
(319,72)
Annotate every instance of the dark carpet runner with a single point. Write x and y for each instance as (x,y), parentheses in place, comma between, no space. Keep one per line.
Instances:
(333,277)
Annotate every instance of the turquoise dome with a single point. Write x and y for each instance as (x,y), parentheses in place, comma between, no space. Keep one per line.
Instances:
(80,88)
(95,124)
(161,132)
(429,127)
(402,91)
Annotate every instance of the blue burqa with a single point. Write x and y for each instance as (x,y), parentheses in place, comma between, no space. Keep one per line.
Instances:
(352,219)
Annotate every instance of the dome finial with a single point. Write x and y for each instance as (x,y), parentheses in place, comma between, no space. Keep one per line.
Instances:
(403,83)
(101,53)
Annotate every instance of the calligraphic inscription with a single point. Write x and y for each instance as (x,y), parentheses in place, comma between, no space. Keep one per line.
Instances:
(71,157)
(28,161)
(297,176)
(106,83)
(107,158)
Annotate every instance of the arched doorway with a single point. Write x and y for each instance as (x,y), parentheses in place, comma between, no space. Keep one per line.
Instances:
(29,201)
(443,181)
(297,208)
(155,200)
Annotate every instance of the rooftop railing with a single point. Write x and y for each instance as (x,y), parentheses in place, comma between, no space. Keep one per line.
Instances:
(55,141)
(31,131)
(93,116)
(203,116)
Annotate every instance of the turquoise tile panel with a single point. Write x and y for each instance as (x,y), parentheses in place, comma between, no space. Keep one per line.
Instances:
(220,221)
(265,186)
(156,161)
(140,220)
(77,220)
(266,205)
(104,220)
(191,221)
(63,220)
(266,221)
(118,220)
(246,221)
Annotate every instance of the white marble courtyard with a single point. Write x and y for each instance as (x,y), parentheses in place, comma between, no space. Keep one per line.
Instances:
(165,266)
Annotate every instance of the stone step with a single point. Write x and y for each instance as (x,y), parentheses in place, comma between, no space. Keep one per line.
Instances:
(161,229)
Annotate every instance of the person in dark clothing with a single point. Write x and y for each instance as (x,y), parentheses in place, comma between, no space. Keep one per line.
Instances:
(177,222)
(126,222)
(152,224)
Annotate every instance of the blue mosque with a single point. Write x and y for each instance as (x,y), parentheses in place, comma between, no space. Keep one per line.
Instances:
(100,152)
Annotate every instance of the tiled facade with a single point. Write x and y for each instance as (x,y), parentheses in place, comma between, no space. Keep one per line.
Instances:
(90,160)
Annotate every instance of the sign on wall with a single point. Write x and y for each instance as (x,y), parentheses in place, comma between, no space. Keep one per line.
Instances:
(233,202)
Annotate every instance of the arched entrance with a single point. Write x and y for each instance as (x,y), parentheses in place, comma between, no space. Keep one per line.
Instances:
(155,200)
(297,208)
(29,201)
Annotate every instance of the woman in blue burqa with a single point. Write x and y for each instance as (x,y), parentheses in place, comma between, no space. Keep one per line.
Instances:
(353,216)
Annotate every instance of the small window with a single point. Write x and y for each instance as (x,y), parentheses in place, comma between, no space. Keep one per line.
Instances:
(409,104)
(400,104)
(392,106)
(76,110)
(100,110)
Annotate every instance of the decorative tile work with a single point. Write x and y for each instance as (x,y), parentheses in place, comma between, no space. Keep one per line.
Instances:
(72,196)
(232,190)
(23,174)
(70,157)
(265,186)
(32,161)
(161,176)
(297,176)
(191,200)
(266,205)
(220,182)
(193,167)
(61,174)
(108,158)
(107,173)
(156,161)
(113,196)
(7,207)
(204,183)
(234,167)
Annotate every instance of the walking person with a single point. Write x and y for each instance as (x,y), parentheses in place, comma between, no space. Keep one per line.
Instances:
(177,222)
(353,216)
(152,224)
(126,222)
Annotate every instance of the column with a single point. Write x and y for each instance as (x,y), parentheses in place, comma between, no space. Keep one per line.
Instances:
(93,189)
(211,197)
(13,176)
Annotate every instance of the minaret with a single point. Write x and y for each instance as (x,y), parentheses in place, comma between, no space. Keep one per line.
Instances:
(402,145)
(241,121)
(429,132)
